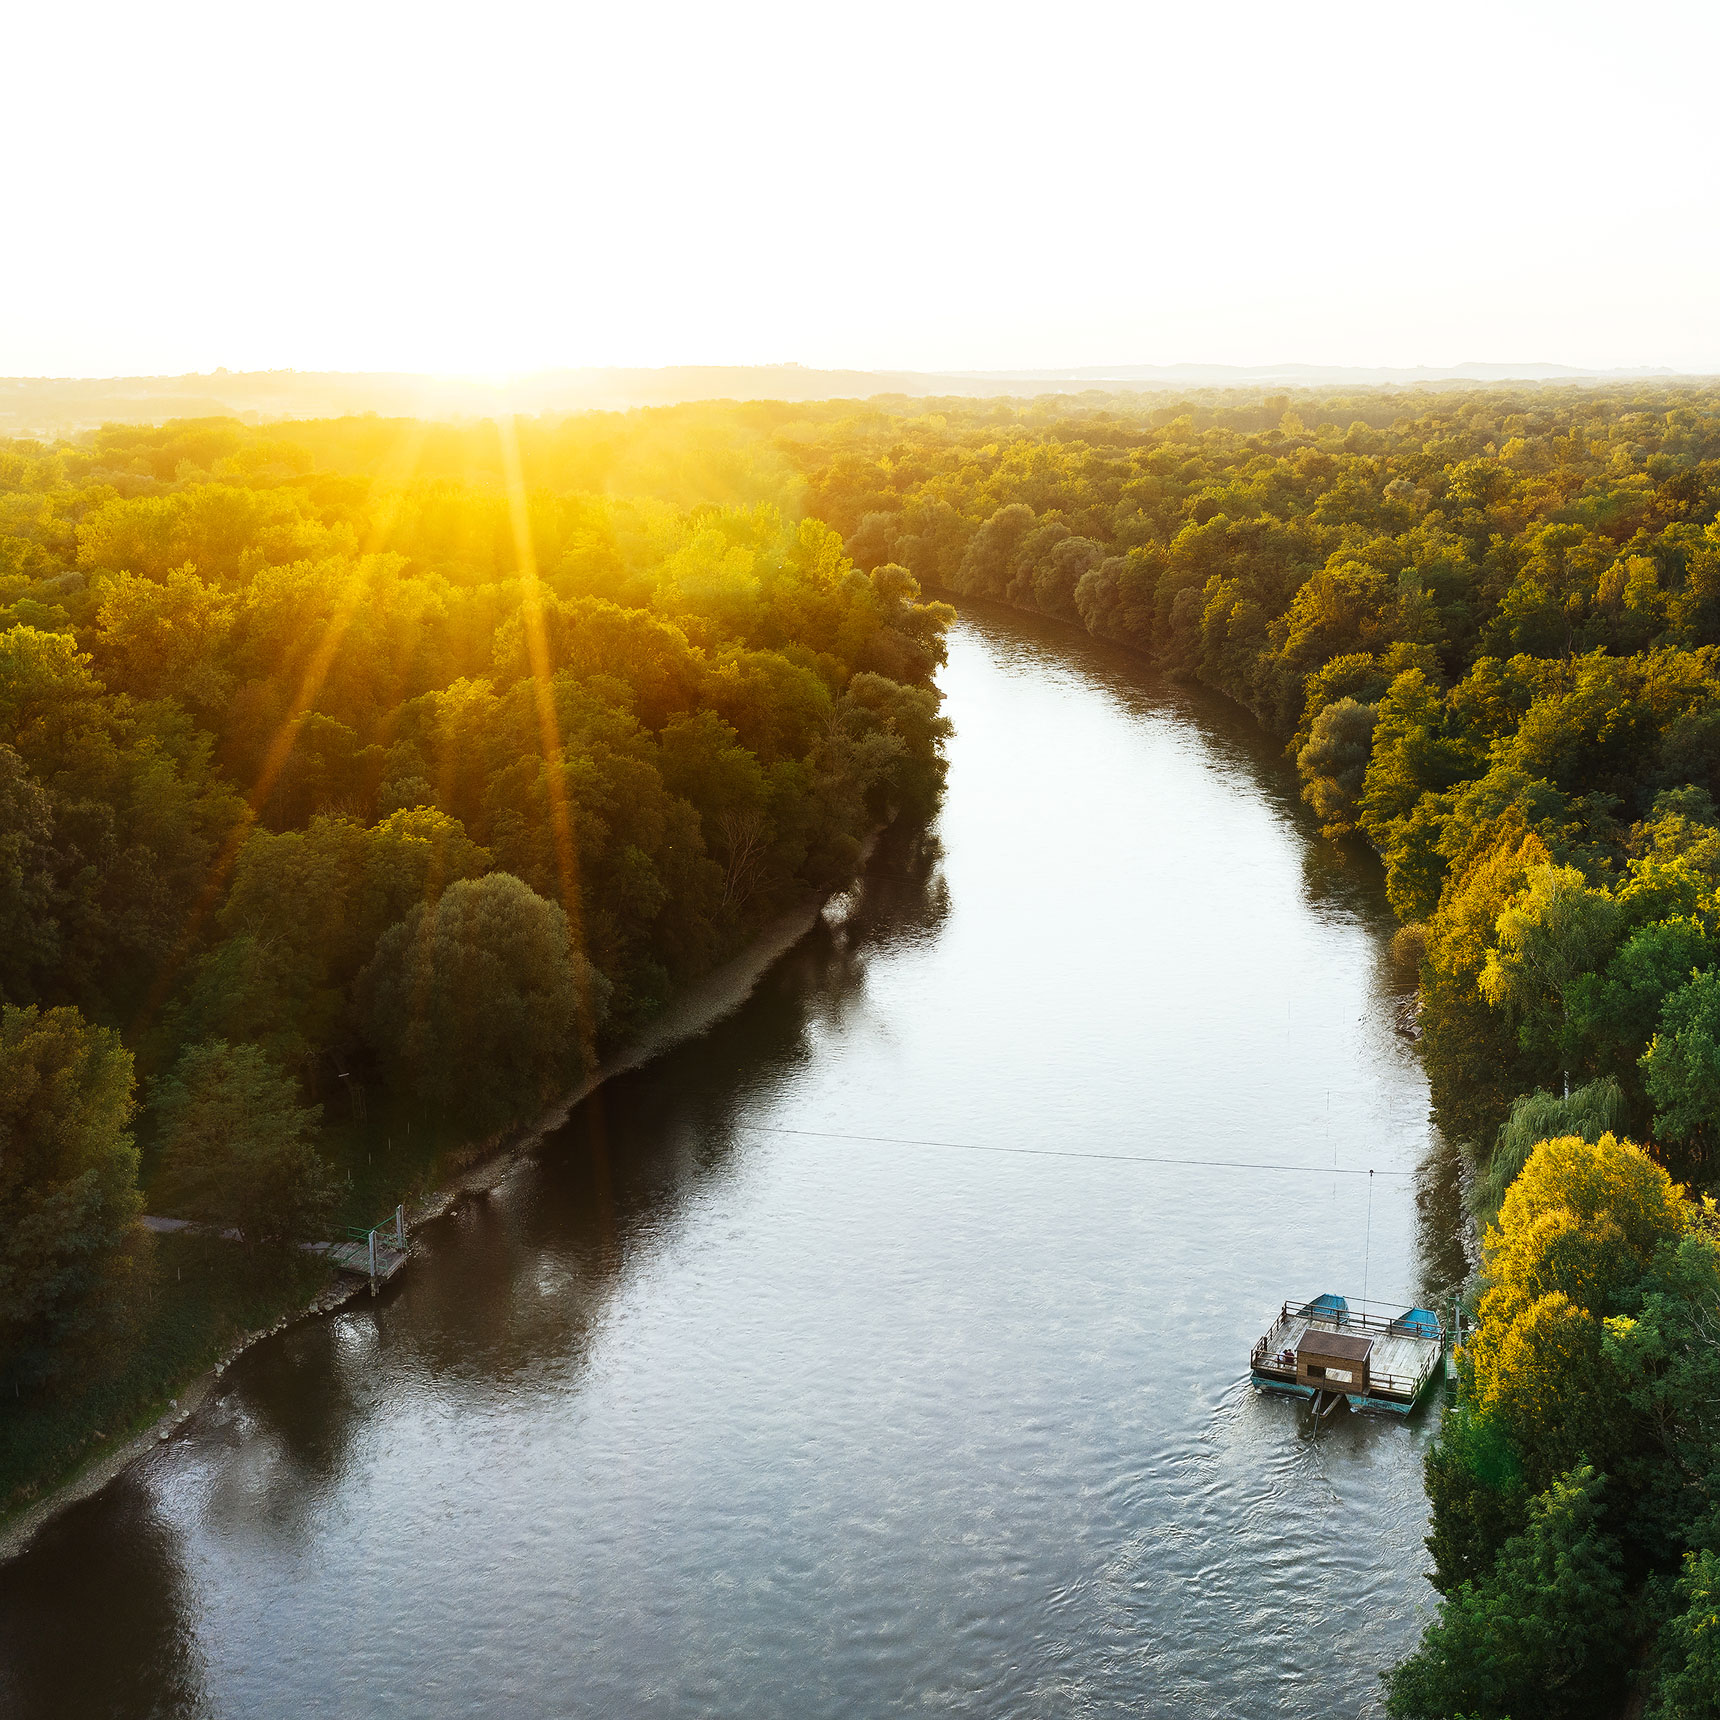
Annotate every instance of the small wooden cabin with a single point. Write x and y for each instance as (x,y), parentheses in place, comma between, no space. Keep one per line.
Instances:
(1333,1361)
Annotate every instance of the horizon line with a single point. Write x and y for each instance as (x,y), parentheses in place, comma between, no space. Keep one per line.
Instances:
(1285,370)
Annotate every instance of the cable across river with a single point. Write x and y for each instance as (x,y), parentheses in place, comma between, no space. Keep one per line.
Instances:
(1074,1153)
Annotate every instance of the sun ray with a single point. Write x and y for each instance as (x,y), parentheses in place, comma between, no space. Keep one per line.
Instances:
(280,747)
(549,729)
(560,812)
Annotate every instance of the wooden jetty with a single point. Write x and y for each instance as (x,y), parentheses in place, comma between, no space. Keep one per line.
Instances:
(376,1253)
(356,1257)
(1324,1351)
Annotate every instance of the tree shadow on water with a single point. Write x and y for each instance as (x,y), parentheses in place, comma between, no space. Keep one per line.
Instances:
(646,1142)
(513,1283)
(97,1619)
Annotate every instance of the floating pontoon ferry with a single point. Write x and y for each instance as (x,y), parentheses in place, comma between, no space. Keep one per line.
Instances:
(1324,1351)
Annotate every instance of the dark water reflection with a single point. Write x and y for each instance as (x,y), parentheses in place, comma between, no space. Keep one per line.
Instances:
(695,1417)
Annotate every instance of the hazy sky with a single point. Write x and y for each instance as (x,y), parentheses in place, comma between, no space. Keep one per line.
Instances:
(504,186)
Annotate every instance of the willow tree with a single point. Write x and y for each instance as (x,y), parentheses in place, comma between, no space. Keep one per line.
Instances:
(1551,938)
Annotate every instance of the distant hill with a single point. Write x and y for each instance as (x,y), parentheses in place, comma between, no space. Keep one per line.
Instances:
(1321,375)
(63,406)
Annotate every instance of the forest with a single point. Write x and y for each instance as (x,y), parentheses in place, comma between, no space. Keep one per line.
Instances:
(1486,626)
(354,801)
(359,776)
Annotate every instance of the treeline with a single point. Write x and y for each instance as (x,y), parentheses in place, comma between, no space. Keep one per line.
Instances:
(1487,627)
(1575,1482)
(358,769)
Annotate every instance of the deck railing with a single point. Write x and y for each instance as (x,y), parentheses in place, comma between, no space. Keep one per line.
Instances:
(1347,1319)
(1380,1382)
(1401,1385)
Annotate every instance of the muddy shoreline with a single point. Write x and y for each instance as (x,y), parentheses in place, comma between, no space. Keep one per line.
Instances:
(704,1003)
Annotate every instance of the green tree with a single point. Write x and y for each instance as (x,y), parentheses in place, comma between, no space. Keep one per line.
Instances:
(1551,937)
(1475,1061)
(1666,1355)
(703,762)
(1538,1634)
(1682,1064)
(302,915)
(988,562)
(68,1186)
(238,1149)
(479,1004)
(1334,762)
(1579,1229)
(1688,1687)
(29,936)
(168,638)
(1479,1499)
(1115,598)
(137,813)
(1615,1012)
(873,541)
(896,737)
(1058,574)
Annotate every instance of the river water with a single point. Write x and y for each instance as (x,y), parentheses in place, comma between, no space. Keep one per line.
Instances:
(744,1398)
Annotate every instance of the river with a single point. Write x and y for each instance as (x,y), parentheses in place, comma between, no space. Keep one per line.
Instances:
(854,1359)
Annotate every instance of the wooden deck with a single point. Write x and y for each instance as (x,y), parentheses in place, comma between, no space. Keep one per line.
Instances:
(1404,1360)
(354,1257)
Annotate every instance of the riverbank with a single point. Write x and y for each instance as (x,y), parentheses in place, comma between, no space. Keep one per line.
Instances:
(480,1167)
(704,1003)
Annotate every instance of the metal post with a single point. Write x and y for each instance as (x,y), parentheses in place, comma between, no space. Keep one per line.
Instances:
(373,1262)
(400,1227)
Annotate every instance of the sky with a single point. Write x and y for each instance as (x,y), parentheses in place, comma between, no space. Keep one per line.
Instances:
(497,188)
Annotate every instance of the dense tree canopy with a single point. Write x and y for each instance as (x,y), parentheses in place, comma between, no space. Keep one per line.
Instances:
(1574,1483)
(295,722)
(231,663)
(331,765)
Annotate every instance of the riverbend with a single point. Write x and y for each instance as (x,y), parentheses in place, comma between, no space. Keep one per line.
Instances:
(859,1356)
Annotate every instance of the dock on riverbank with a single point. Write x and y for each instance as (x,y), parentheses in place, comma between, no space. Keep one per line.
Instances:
(365,1255)
(376,1254)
